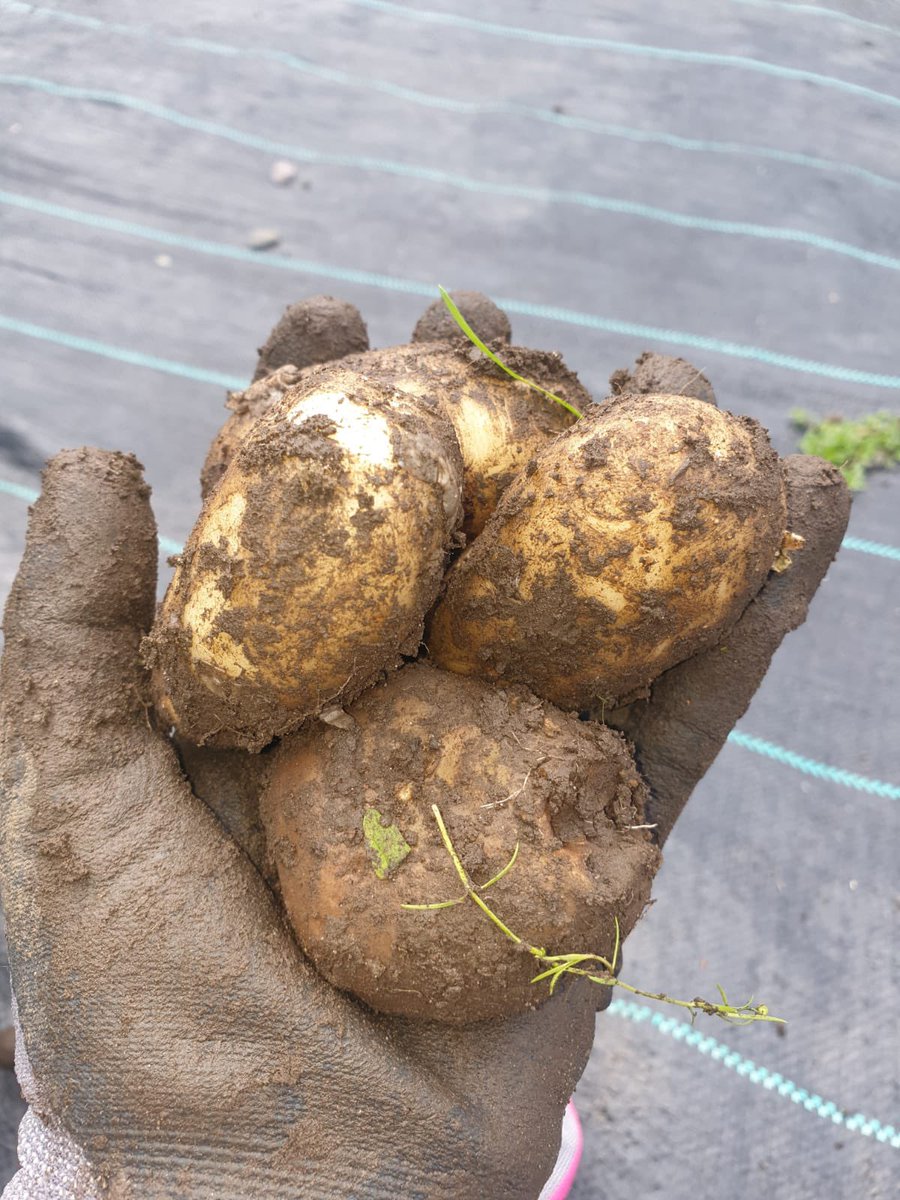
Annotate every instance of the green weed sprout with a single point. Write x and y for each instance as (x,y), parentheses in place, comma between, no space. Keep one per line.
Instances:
(856,446)
(556,966)
(476,341)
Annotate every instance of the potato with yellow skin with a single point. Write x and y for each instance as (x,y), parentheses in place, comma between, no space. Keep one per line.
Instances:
(499,423)
(312,564)
(246,409)
(632,542)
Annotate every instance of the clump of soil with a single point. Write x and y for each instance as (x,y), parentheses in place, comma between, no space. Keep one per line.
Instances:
(349,820)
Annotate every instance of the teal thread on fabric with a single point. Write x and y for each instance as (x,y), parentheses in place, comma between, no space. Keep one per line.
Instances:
(492,28)
(134,358)
(677,337)
(817,10)
(877,548)
(672,141)
(412,287)
(772,1081)
(809,766)
(589,200)
(29,495)
(636,49)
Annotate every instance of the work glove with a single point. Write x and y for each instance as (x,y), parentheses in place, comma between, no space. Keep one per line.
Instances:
(174,1042)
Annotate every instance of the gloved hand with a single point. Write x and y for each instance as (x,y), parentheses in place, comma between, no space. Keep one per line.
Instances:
(173,1030)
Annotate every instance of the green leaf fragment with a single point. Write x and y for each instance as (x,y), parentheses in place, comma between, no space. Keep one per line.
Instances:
(387,845)
(866,443)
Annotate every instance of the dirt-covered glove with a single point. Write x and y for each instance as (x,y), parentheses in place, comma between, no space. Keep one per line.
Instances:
(173,1030)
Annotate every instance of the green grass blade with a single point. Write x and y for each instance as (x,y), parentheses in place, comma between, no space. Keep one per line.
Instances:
(476,341)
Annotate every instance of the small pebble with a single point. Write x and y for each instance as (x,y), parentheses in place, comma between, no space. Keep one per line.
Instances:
(263,239)
(282,172)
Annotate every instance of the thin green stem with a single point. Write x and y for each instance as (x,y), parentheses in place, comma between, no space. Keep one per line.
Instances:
(470,887)
(558,965)
(509,866)
(476,340)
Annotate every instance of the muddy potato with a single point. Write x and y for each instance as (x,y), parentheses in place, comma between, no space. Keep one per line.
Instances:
(499,423)
(635,540)
(246,409)
(312,564)
(348,818)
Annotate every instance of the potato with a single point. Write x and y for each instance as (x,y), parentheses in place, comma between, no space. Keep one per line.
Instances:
(312,564)
(348,818)
(633,541)
(499,423)
(246,409)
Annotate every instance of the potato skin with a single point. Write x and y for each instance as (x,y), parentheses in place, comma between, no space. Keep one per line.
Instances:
(312,564)
(632,542)
(499,423)
(503,767)
(246,409)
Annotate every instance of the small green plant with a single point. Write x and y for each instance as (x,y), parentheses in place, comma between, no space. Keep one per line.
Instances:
(864,444)
(555,966)
(476,341)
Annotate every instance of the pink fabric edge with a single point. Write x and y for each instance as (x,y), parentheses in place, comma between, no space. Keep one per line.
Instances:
(569,1178)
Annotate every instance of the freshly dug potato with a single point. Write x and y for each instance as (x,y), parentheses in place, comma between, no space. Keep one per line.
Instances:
(348,817)
(499,423)
(246,409)
(312,564)
(632,542)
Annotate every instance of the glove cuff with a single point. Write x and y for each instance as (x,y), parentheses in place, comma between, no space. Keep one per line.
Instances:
(52,1166)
